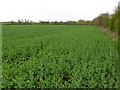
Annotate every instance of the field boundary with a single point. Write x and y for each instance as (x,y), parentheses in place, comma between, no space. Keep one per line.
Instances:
(112,35)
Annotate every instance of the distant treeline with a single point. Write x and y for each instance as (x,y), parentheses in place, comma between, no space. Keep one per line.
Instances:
(105,20)
(27,22)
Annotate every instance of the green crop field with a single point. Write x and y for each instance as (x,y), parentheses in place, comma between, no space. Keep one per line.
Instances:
(58,56)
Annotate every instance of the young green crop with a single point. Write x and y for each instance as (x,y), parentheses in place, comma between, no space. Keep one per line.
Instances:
(58,56)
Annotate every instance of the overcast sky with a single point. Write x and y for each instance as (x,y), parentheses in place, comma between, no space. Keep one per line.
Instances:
(54,9)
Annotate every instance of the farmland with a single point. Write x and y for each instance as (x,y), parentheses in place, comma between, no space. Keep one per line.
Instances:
(58,56)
